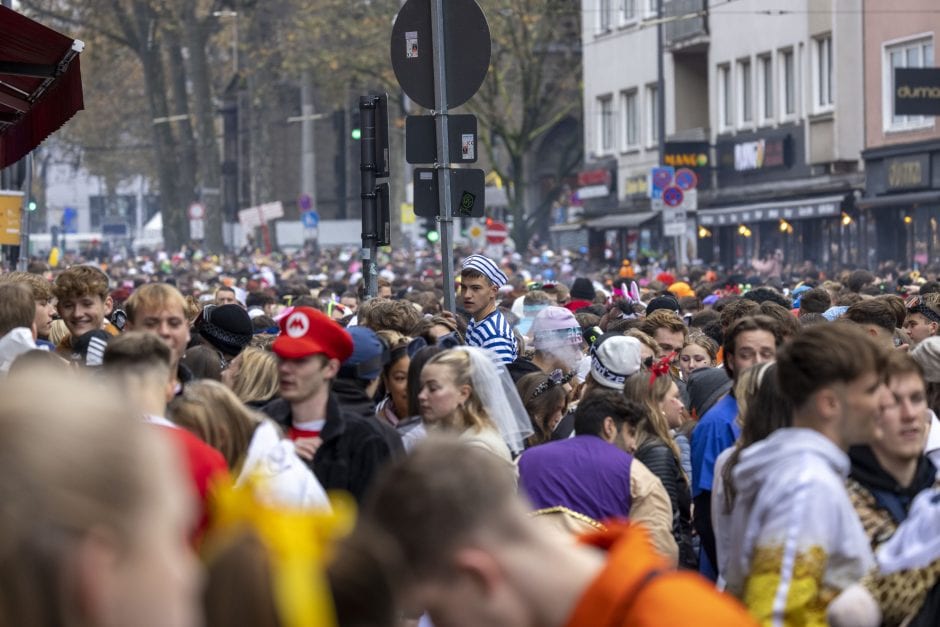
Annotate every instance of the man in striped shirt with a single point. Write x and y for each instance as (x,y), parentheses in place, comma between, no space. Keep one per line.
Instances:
(480,280)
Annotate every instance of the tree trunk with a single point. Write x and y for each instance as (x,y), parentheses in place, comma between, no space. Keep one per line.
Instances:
(186,152)
(174,234)
(209,164)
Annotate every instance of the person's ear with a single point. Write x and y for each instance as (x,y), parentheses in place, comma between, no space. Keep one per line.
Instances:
(827,403)
(93,578)
(934,327)
(465,391)
(481,568)
(108,306)
(609,429)
(331,369)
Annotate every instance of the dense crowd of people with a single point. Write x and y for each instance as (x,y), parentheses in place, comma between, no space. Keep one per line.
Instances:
(574,446)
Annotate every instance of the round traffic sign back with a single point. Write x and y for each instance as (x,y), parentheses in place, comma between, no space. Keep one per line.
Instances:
(197,211)
(466,50)
(496,233)
(673,196)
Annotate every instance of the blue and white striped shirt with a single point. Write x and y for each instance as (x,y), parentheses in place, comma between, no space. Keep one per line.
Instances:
(495,334)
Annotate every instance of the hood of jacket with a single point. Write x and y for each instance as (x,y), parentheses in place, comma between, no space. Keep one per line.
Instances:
(13,344)
(781,450)
(868,472)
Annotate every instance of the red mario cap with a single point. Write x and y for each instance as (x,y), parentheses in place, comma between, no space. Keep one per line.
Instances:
(306,331)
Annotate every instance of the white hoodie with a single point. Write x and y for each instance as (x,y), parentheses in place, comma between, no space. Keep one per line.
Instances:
(286,479)
(18,341)
(799,541)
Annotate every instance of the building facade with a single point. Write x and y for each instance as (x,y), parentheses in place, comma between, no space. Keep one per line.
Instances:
(900,210)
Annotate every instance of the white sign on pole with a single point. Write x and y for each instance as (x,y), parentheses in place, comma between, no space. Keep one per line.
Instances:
(256,216)
(674,229)
(197,229)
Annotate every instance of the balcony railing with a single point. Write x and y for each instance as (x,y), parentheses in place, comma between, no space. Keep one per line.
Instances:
(692,24)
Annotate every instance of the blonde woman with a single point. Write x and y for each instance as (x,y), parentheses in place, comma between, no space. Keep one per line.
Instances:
(93,528)
(252,376)
(464,391)
(657,449)
(251,444)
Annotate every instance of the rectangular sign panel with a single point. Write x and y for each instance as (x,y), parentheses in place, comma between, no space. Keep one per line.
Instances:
(916,91)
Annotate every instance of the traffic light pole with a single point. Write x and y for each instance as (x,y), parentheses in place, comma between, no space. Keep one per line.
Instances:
(23,261)
(367,166)
(445,218)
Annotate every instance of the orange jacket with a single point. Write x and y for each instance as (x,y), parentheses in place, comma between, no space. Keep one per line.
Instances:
(638,588)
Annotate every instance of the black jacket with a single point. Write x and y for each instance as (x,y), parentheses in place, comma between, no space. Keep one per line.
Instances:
(890,496)
(520,368)
(351,396)
(658,457)
(353,448)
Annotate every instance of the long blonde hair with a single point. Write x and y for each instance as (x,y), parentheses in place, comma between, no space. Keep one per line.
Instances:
(214,413)
(73,460)
(256,379)
(471,414)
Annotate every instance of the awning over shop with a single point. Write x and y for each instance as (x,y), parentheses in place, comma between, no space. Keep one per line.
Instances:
(40,83)
(899,200)
(561,228)
(766,212)
(621,220)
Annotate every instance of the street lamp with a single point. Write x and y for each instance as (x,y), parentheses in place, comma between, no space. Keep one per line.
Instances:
(234,15)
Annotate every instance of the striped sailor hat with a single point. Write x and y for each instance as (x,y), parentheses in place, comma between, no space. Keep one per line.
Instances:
(486,267)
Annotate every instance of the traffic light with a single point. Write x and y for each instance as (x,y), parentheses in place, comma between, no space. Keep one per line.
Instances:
(32,206)
(430,230)
(355,125)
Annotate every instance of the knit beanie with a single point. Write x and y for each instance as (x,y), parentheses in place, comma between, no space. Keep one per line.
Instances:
(663,302)
(927,354)
(582,289)
(706,386)
(554,327)
(226,327)
(613,359)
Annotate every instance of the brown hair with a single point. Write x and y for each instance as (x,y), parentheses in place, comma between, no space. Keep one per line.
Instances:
(137,352)
(735,310)
(40,287)
(17,307)
(431,502)
(80,281)
(214,413)
(392,315)
(256,379)
(662,319)
(872,311)
(154,297)
(825,354)
(706,343)
(72,463)
(816,300)
(541,397)
(786,321)
(644,339)
(901,363)
(640,388)
(472,414)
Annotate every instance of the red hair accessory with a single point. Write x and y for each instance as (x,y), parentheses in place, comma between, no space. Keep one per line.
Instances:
(661,367)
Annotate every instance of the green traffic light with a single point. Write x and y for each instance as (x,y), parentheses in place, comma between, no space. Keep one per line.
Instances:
(32,205)
(356,133)
(433,236)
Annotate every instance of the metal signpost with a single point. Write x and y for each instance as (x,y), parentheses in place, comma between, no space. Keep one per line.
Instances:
(443,79)
(373,164)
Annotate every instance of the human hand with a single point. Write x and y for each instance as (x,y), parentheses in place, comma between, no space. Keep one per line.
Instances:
(307,447)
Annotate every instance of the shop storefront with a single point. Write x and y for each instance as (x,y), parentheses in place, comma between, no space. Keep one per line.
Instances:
(770,199)
(900,211)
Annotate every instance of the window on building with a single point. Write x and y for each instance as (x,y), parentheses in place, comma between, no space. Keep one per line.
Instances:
(746,91)
(788,83)
(627,11)
(725,102)
(651,7)
(603,15)
(765,88)
(652,109)
(605,130)
(912,53)
(630,120)
(822,69)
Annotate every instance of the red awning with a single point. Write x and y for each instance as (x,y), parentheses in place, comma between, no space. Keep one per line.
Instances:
(40,83)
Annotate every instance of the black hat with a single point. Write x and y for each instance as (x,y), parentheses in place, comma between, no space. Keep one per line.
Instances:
(663,302)
(582,289)
(226,327)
